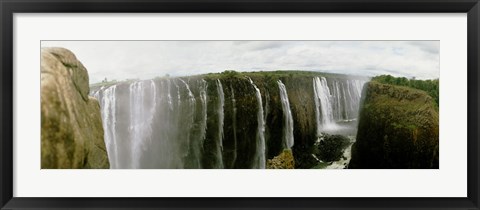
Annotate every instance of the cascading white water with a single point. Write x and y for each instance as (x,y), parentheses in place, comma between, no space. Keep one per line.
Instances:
(154,126)
(356,93)
(349,95)
(337,100)
(142,109)
(220,113)
(221,103)
(203,100)
(179,98)
(287,117)
(335,103)
(108,112)
(159,124)
(346,99)
(166,148)
(260,151)
(136,121)
(164,132)
(188,120)
(323,103)
(169,95)
(190,94)
(346,113)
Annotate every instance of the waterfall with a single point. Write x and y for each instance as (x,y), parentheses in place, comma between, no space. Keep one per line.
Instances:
(179,97)
(169,95)
(203,100)
(154,120)
(287,117)
(356,90)
(337,100)
(323,104)
(346,99)
(190,94)
(220,112)
(336,103)
(108,112)
(349,95)
(260,151)
(142,110)
(196,121)
(166,131)
(186,122)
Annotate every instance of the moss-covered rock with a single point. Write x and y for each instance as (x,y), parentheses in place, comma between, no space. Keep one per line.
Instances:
(398,128)
(71,124)
(283,161)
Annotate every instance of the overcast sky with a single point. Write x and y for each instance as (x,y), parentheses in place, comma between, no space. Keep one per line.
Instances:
(147,59)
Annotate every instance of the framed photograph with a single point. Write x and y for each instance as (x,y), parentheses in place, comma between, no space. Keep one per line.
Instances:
(239,105)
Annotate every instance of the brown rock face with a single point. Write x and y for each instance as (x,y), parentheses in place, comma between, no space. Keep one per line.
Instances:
(72,132)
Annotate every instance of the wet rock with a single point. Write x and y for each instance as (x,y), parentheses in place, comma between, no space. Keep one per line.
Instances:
(331,147)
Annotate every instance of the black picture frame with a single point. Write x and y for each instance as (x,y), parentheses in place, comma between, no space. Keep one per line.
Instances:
(10,7)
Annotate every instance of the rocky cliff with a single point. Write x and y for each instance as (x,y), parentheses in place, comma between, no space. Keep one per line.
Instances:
(398,128)
(223,120)
(71,123)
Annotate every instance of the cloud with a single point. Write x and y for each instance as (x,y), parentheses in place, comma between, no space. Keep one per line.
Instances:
(147,59)
(260,45)
(432,47)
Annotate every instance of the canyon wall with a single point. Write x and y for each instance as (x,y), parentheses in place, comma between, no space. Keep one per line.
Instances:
(226,120)
(398,128)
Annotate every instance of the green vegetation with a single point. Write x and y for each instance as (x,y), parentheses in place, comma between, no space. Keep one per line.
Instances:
(429,86)
(275,74)
(270,76)
(230,73)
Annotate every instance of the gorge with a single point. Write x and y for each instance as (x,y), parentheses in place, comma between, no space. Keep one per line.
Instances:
(236,120)
(226,120)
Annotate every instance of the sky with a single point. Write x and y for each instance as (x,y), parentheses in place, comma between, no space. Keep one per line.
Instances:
(120,60)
